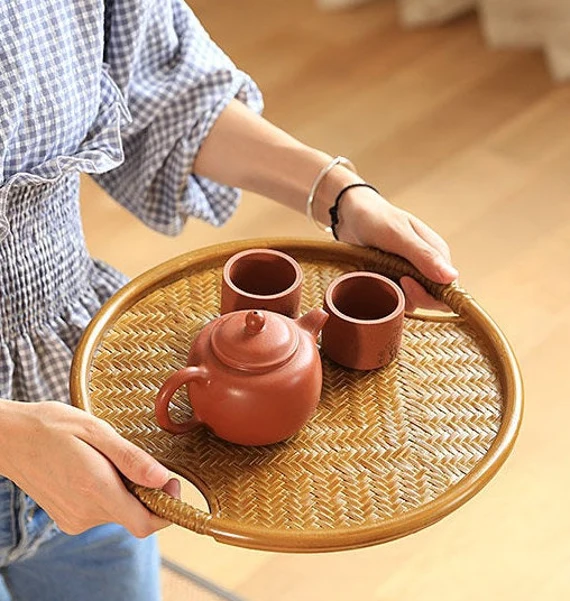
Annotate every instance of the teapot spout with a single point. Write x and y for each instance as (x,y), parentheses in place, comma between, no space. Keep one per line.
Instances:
(313,322)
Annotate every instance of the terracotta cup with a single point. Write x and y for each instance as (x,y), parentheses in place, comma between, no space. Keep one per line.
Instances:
(262,278)
(366,319)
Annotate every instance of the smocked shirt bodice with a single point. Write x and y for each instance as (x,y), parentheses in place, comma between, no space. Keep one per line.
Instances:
(125,90)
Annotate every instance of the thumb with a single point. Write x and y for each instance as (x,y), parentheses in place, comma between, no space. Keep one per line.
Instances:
(134,463)
(139,466)
(430,261)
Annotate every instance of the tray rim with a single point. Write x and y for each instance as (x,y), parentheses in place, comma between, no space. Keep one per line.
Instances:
(228,531)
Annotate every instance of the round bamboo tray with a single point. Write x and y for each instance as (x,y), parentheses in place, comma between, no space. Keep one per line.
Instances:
(388,452)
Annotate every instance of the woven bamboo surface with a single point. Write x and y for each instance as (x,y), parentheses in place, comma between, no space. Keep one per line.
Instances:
(388,452)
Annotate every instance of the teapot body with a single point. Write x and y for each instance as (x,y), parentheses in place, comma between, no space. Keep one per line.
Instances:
(255,406)
(252,377)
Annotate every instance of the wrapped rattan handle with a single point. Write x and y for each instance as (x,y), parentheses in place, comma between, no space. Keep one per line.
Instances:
(452,294)
(171,509)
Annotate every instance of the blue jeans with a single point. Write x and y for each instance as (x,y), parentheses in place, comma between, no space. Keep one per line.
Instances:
(39,562)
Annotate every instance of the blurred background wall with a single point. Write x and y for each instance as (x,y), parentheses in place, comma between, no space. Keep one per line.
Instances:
(505,23)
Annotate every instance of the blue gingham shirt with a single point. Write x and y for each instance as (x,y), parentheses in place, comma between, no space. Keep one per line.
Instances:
(125,90)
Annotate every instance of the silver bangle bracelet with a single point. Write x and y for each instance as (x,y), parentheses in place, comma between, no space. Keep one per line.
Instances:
(320,177)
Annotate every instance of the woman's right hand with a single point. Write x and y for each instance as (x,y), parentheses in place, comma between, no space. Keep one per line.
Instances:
(69,461)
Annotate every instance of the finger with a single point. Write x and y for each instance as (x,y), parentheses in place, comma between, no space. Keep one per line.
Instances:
(130,460)
(417,297)
(172,487)
(111,502)
(433,238)
(427,259)
(122,507)
(140,520)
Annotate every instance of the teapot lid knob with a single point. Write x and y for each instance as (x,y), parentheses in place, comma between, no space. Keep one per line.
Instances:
(254,322)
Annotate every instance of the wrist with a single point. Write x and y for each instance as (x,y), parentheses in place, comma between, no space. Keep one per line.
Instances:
(335,210)
(335,180)
(247,151)
(360,207)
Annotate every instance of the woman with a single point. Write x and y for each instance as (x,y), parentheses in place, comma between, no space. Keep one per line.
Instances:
(135,93)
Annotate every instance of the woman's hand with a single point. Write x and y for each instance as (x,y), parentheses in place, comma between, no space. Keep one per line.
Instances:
(368,219)
(247,151)
(69,462)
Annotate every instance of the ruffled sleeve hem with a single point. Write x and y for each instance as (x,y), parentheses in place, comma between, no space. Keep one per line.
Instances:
(156,182)
(177,82)
(100,151)
(201,197)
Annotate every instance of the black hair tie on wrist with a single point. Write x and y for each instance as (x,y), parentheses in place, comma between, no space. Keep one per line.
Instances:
(333,211)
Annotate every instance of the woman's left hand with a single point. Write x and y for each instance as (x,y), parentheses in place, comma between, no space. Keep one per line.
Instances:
(368,219)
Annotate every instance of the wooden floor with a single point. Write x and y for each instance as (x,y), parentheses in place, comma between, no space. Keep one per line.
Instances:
(477,143)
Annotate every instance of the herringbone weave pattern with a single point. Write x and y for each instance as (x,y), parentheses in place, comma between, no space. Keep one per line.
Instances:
(382,444)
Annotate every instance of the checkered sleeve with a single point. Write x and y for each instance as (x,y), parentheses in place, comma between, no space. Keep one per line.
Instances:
(176,81)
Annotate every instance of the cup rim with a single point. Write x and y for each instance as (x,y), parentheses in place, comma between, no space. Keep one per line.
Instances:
(266,251)
(399,309)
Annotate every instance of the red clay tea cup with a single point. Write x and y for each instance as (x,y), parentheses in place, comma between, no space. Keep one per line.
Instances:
(366,319)
(263,279)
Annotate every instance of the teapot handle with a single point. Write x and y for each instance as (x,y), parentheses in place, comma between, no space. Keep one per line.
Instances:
(172,384)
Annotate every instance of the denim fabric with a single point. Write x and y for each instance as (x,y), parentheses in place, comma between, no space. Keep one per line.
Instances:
(38,562)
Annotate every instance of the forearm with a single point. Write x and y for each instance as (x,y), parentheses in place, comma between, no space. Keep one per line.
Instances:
(247,151)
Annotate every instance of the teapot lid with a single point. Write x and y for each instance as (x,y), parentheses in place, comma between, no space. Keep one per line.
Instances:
(254,340)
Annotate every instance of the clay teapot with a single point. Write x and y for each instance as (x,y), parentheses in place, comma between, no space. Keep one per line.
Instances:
(253,378)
